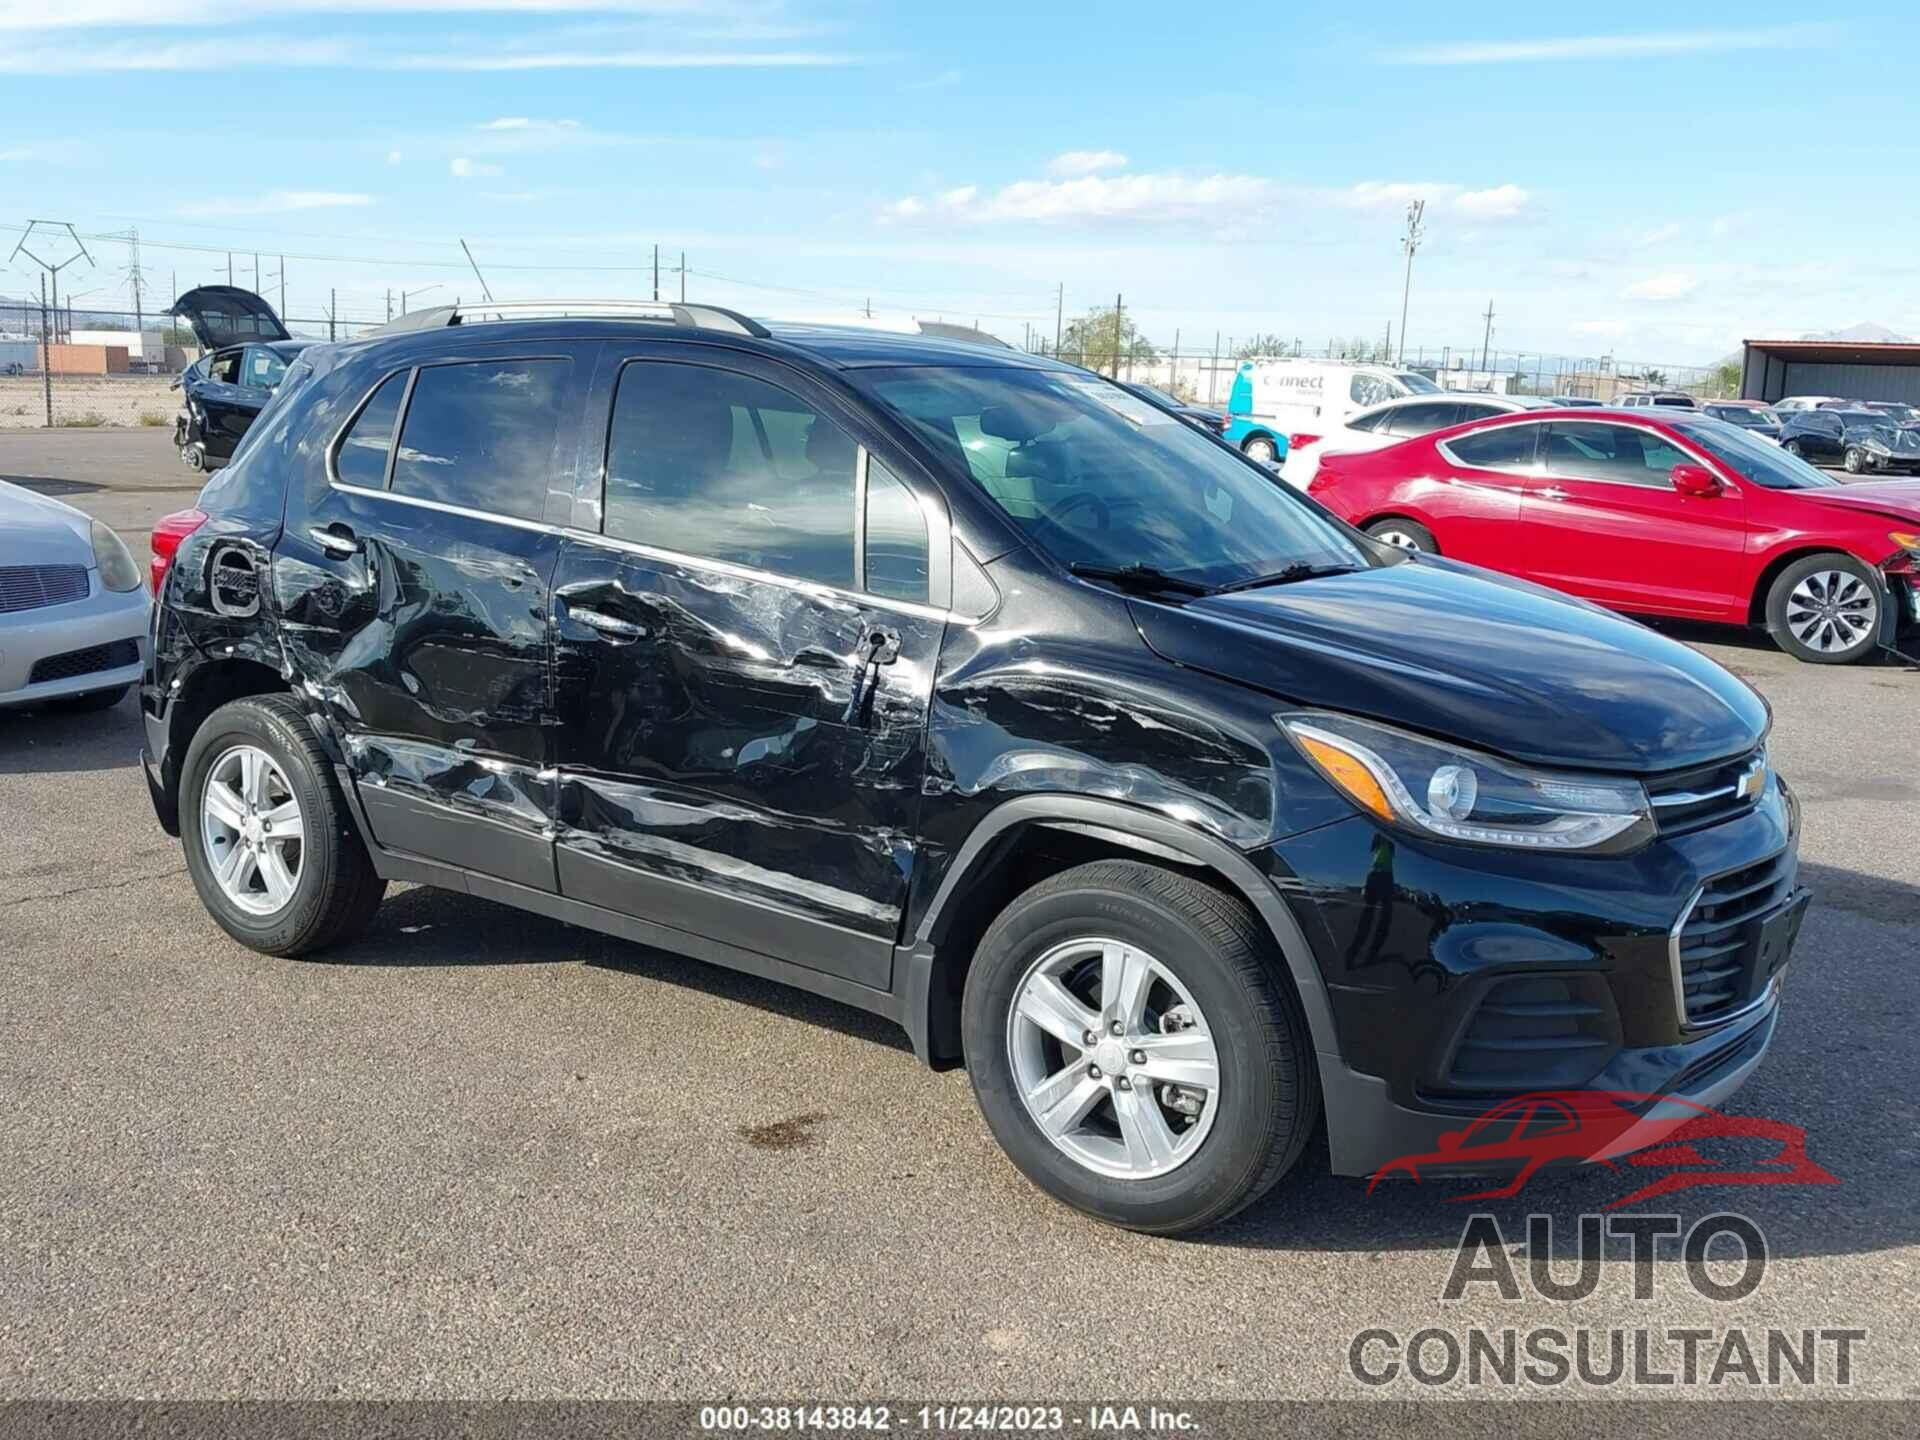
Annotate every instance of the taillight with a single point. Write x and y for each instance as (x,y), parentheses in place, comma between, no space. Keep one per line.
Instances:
(1300,442)
(168,532)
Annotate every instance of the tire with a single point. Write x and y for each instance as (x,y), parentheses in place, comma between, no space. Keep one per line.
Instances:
(1260,448)
(1832,585)
(334,890)
(1404,535)
(1794,448)
(1266,1099)
(93,700)
(1852,461)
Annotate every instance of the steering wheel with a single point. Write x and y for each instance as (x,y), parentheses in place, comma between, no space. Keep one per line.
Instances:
(1075,501)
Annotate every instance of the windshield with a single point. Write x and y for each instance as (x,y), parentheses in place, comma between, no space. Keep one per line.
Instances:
(1416,384)
(1854,418)
(1751,459)
(1094,476)
(1750,417)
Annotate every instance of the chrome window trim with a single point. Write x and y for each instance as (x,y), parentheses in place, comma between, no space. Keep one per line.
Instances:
(1445,447)
(393,439)
(1539,470)
(444,508)
(1673,956)
(861,460)
(768,577)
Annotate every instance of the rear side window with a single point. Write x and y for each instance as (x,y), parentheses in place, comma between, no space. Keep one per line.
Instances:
(896,555)
(1369,421)
(362,457)
(479,435)
(725,466)
(1505,447)
(1422,419)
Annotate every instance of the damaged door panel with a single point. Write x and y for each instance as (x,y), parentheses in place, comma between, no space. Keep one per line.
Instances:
(419,621)
(743,725)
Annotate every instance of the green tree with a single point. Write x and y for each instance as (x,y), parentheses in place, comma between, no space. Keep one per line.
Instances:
(1258,347)
(1098,342)
(1726,377)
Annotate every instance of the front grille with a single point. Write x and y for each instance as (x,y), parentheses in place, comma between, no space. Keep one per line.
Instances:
(1717,943)
(1535,1032)
(34,587)
(90,661)
(1705,795)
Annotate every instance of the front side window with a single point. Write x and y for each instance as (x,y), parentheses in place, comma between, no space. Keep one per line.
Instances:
(1091,476)
(479,434)
(725,466)
(264,369)
(1504,447)
(1619,454)
(361,458)
(225,367)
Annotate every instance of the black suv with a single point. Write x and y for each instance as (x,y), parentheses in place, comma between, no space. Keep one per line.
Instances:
(968,688)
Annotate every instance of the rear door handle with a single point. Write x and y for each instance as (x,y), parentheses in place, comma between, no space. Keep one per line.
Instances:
(336,540)
(612,626)
(1554,492)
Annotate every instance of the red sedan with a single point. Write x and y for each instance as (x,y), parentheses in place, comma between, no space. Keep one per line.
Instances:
(1654,513)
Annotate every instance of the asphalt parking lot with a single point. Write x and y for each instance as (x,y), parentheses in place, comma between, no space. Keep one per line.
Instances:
(482,1154)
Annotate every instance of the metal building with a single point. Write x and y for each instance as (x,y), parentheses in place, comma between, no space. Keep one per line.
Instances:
(1852,369)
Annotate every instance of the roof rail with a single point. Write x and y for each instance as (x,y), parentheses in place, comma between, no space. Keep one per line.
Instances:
(692,317)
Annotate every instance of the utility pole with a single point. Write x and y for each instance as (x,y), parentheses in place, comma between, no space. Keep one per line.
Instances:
(1409,242)
(683,277)
(389,304)
(256,272)
(1487,339)
(229,267)
(1059,314)
(1118,307)
(333,309)
(46,354)
(656,272)
(481,278)
(134,277)
(52,271)
(283,288)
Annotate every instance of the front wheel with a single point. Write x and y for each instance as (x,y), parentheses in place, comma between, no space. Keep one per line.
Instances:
(1795,449)
(1854,461)
(1261,448)
(1404,535)
(1137,1048)
(1825,609)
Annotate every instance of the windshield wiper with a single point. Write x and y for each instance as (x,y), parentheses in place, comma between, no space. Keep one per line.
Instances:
(1300,570)
(1143,578)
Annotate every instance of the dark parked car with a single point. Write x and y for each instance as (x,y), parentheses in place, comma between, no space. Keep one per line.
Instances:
(940,680)
(1212,421)
(1861,440)
(1749,415)
(247,354)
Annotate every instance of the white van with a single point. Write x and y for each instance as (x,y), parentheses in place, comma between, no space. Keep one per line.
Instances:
(1274,399)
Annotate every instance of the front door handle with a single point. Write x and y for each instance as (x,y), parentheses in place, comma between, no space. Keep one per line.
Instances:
(337,540)
(611,626)
(1554,492)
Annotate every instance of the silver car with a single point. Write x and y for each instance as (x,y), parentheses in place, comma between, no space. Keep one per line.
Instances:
(73,606)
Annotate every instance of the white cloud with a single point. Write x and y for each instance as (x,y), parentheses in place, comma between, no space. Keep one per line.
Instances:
(236,52)
(465,167)
(1144,197)
(1666,285)
(1502,202)
(1499,202)
(1599,329)
(394,157)
(280,202)
(90,14)
(1614,47)
(1085,162)
(1655,235)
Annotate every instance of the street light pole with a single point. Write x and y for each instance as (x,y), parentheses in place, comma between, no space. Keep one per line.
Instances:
(1410,242)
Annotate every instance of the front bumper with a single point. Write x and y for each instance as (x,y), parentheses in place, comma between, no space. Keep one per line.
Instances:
(1458,978)
(105,618)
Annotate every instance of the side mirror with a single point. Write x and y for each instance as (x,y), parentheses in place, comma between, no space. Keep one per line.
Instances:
(1696,481)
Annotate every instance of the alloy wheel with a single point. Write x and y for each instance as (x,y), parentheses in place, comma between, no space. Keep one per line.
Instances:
(1399,539)
(1113,1059)
(251,825)
(1831,610)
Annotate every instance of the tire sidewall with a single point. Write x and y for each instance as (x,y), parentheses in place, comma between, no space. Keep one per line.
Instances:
(242,723)
(1423,541)
(1782,590)
(1237,1145)
(1261,449)
(1851,461)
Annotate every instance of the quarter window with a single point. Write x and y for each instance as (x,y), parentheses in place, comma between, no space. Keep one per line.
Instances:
(896,554)
(362,457)
(479,434)
(1615,453)
(1504,447)
(1371,390)
(722,465)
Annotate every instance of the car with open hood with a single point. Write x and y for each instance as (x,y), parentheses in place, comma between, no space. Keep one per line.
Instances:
(967,688)
(1858,440)
(245,354)
(1654,512)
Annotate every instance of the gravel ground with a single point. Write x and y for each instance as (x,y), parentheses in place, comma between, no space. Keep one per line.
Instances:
(480,1154)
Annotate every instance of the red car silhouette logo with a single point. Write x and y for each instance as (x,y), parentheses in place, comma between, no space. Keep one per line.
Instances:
(1599,1127)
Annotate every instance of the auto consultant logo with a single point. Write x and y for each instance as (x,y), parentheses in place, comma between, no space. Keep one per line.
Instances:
(1664,1144)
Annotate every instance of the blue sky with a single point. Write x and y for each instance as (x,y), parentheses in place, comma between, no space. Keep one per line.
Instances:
(1653,181)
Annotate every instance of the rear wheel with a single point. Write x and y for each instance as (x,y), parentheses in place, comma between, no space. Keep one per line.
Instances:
(1261,448)
(1825,609)
(1136,1048)
(1794,448)
(1404,535)
(269,843)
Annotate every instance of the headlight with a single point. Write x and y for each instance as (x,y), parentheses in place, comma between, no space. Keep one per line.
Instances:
(1906,540)
(112,559)
(1437,789)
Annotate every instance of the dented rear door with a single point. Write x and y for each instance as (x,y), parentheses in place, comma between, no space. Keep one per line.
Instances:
(414,578)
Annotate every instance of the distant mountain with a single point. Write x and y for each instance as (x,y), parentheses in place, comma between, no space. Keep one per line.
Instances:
(1866,332)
